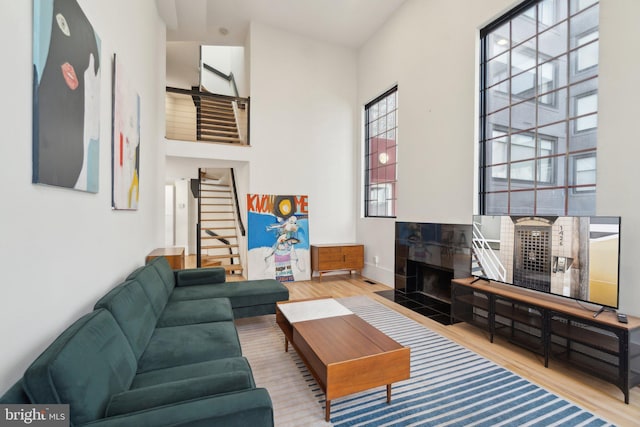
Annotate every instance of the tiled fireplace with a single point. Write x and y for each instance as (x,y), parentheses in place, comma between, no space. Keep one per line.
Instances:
(427,257)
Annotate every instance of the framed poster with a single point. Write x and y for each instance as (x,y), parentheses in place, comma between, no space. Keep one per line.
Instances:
(66,96)
(278,237)
(126,141)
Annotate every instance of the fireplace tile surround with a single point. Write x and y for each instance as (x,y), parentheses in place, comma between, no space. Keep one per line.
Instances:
(427,257)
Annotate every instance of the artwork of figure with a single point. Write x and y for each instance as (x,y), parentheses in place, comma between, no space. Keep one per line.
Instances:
(278,237)
(66,96)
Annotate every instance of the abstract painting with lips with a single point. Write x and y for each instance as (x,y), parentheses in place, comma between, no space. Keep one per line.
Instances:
(66,96)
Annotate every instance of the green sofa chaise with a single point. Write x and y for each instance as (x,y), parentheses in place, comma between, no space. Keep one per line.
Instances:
(159,349)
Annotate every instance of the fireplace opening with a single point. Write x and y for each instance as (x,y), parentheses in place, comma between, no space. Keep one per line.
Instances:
(434,282)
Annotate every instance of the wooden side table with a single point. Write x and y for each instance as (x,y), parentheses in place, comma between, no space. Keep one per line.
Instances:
(331,257)
(175,256)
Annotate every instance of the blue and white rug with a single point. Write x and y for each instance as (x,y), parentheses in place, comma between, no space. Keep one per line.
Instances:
(449,385)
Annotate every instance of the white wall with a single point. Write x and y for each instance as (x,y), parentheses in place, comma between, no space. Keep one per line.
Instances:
(183,64)
(618,148)
(303,127)
(226,59)
(430,49)
(60,250)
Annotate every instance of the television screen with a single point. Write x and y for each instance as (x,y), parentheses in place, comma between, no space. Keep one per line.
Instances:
(571,256)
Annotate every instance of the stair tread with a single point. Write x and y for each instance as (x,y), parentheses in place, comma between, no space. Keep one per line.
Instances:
(219,138)
(211,120)
(217,228)
(222,256)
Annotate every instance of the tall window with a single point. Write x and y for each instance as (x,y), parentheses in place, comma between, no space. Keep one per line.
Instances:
(381,148)
(539,109)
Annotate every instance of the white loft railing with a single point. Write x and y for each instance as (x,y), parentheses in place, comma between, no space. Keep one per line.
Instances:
(486,256)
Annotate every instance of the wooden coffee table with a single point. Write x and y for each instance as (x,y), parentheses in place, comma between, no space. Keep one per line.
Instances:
(344,353)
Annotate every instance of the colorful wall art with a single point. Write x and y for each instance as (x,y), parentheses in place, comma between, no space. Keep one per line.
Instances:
(126,140)
(278,237)
(66,96)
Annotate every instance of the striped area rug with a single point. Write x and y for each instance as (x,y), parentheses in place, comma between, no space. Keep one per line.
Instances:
(449,385)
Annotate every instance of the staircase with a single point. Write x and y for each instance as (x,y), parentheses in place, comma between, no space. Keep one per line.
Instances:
(218,238)
(217,121)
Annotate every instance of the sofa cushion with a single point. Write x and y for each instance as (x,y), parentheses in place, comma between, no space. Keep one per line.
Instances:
(200,276)
(236,409)
(129,305)
(153,286)
(193,370)
(241,294)
(166,273)
(88,363)
(190,312)
(181,345)
(177,391)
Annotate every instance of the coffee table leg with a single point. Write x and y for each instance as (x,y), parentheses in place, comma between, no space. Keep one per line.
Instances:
(388,393)
(286,345)
(327,410)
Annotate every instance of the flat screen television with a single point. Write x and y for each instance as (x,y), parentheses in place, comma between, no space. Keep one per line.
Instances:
(576,257)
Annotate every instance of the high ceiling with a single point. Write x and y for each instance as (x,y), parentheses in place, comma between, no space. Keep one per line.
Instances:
(345,22)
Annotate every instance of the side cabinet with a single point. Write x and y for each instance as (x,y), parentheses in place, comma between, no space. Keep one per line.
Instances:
(337,257)
(554,328)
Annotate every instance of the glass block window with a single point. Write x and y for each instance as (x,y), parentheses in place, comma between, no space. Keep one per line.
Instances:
(539,109)
(381,148)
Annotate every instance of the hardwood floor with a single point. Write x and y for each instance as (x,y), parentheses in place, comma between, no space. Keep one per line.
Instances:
(593,394)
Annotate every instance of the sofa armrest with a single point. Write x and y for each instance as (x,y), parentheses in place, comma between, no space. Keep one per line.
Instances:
(200,276)
(15,394)
(237,409)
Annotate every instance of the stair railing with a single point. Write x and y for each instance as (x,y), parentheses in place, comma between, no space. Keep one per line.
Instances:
(199,222)
(234,190)
(228,77)
(486,256)
(183,113)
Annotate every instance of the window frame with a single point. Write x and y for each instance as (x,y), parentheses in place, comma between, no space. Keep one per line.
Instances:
(515,33)
(390,185)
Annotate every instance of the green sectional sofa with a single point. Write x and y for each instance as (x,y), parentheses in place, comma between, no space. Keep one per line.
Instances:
(159,349)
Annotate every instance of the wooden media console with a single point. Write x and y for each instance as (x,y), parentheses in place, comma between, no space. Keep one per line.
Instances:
(554,327)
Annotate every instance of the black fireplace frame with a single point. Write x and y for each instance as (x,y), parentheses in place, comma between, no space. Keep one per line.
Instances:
(425,249)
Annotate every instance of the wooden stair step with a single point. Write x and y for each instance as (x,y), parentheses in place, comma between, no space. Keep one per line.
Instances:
(219,246)
(204,262)
(219,139)
(217,119)
(217,228)
(217,114)
(219,102)
(212,101)
(231,123)
(218,127)
(227,256)
(218,132)
(219,236)
(233,267)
